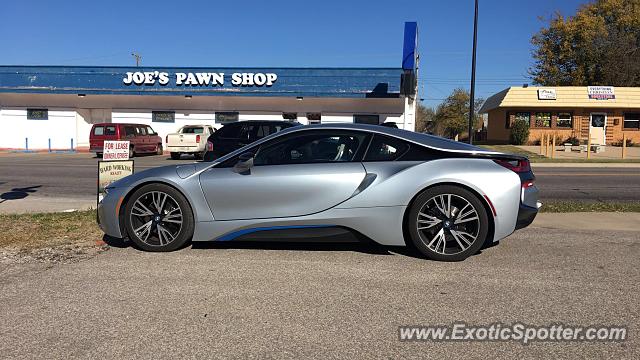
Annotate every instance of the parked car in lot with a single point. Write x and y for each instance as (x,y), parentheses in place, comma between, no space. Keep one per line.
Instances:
(189,139)
(142,138)
(395,187)
(236,135)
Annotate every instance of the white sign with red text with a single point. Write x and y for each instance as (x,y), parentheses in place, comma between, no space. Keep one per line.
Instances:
(115,150)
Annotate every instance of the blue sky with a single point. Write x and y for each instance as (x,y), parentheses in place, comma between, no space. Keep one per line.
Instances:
(325,33)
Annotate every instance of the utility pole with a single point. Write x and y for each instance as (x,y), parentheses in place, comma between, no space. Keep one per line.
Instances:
(138,58)
(473,75)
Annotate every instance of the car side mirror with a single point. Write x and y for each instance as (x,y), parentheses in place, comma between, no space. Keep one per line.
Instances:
(245,163)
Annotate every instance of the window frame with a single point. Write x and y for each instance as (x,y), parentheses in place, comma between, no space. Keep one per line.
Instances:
(570,120)
(637,120)
(358,156)
(398,157)
(535,120)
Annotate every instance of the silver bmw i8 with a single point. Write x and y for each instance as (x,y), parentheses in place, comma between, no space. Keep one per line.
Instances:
(395,187)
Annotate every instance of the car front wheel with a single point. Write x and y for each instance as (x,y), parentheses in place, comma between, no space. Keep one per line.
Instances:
(158,218)
(448,223)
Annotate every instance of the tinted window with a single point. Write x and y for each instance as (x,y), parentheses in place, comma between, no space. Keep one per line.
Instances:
(150,131)
(385,148)
(192,130)
(263,130)
(142,131)
(129,131)
(229,131)
(316,147)
(110,130)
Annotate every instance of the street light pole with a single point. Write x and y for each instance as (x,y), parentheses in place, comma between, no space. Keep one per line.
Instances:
(473,75)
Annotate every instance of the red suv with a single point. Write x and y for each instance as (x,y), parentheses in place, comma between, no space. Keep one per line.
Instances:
(142,138)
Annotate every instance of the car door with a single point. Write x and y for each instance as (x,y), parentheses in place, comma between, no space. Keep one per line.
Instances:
(297,174)
(142,139)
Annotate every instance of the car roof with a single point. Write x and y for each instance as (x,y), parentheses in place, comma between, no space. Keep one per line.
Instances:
(116,124)
(431,141)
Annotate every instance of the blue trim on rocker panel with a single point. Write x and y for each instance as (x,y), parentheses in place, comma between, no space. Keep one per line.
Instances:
(235,234)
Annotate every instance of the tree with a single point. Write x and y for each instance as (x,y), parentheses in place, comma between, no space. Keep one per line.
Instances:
(452,116)
(600,45)
(425,118)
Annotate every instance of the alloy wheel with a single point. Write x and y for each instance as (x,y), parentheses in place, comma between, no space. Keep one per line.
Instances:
(448,224)
(156,218)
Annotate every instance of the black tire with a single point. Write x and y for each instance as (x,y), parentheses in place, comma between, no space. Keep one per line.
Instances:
(159,150)
(175,156)
(453,248)
(199,155)
(99,155)
(153,242)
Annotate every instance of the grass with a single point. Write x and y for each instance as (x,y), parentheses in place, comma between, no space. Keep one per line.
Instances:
(551,206)
(26,232)
(537,158)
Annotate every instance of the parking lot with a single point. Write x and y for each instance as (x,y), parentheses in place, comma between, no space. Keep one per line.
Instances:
(244,300)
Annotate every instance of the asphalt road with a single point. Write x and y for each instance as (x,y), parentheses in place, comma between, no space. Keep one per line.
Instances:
(236,300)
(28,180)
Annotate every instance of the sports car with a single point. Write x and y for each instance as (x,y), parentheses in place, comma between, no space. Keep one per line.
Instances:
(395,187)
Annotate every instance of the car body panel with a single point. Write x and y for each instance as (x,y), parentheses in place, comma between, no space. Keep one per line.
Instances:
(369,197)
(279,190)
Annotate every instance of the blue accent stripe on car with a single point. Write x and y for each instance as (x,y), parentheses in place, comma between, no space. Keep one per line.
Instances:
(235,234)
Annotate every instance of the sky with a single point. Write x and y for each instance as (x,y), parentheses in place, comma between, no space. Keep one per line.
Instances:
(244,33)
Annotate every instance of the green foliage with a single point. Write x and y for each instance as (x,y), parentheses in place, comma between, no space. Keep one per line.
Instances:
(452,115)
(425,119)
(600,45)
(519,132)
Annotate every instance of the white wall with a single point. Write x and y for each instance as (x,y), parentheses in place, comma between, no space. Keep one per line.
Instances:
(60,128)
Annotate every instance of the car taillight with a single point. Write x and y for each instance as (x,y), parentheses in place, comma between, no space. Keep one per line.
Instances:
(517,166)
(198,139)
(209,146)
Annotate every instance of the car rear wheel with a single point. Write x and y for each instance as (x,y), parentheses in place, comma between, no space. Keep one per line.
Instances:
(158,218)
(159,150)
(448,223)
(175,156)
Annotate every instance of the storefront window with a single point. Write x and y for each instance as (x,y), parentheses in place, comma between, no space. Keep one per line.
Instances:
(543,119)
(564,120)
(632,121)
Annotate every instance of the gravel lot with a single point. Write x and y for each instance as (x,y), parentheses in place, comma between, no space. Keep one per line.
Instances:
(243,300)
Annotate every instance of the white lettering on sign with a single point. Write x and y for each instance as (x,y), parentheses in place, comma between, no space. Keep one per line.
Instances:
(115,150)
(199,79)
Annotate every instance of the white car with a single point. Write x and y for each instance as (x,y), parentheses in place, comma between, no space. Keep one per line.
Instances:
(189,139)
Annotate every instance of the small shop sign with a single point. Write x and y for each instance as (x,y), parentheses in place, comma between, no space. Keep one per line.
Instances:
(547,94)
(111,171)
(601,92)
(115,150)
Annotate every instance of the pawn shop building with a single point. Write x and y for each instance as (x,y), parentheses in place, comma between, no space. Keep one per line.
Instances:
(55,107)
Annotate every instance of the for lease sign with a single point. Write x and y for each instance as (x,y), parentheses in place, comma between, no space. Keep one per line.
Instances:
(115,150)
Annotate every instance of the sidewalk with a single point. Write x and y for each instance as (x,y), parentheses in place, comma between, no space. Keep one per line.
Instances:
(43,204)
(588,221)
